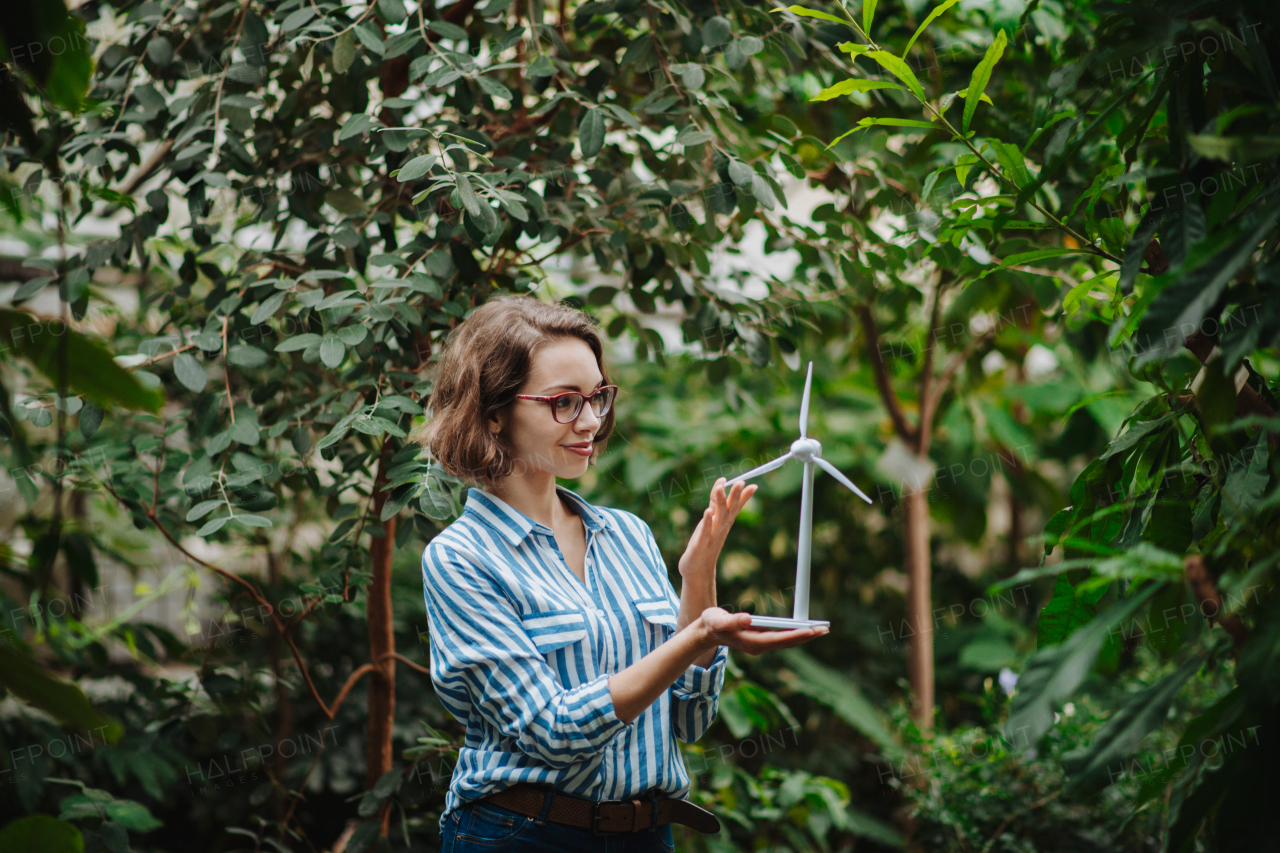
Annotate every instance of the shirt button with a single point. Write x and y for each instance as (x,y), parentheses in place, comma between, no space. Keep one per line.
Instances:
(600,613)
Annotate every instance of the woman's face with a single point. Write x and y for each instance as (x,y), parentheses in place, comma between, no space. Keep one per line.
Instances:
(536,440)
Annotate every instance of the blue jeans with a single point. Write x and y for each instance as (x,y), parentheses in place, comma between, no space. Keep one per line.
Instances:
(482,827)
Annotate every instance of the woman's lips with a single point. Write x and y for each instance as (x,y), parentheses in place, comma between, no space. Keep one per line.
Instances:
(581,451)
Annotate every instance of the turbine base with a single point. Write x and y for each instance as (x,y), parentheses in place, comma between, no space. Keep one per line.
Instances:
(786,623)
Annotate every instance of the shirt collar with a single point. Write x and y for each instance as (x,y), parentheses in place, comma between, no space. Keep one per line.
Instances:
(514,525)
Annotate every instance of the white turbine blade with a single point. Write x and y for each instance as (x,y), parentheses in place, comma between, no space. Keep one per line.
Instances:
(804,404)
(835,472)
(763,469)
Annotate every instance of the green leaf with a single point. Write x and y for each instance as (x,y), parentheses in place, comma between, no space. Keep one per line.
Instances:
(1183,306)
(202,509)
(895,66)
(841,694)
(864,123)
(160,51)
(1036,255)
(344,52)
(213,526)
(740,173)
(344,200)
(763,192)
(1055,672)
(1136,432)
(297,19)
(331,351)
(91,371)
(690,135)
(448,30)
(845,87)
(868,15)
(494,89)
(981,76)
(1068,609)
(541,67)
(692,75)
(190,372)
(814,13)
(40,834)
(1247,481)
(1056,526)
(92,803)
(862,824)
(716,31)
(1093,767)
(1050,170)
(355,126)
(988,654)
(1114,234)
(70,73)
(269,307)
(470,201)
(436,501)
(132,816)
(377,426)
(1011,159)
(591,133)
(416,168)
(933,16)
(297,342)
(1241,150)
(90,420)
(63,700)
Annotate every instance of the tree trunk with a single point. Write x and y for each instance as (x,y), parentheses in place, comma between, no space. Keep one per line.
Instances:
(382,642)
(284,707)
(919,606)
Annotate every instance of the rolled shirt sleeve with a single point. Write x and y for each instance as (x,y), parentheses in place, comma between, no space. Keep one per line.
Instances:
(695,697)
(695,694)
(482,658)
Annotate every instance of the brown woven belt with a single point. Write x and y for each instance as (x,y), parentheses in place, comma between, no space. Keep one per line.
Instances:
(608,817)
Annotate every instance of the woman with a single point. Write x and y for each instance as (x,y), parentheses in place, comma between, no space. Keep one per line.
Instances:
(557,639)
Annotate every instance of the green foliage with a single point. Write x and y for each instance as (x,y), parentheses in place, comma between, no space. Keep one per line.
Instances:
(41,833)
(26,679)
(310,198)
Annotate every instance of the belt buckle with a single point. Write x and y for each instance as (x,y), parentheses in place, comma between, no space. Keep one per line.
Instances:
(596,816)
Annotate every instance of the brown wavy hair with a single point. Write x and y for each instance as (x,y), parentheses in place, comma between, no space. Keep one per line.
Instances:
(485,361)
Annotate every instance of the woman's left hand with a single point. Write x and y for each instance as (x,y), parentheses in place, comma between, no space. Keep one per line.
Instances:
(708,537)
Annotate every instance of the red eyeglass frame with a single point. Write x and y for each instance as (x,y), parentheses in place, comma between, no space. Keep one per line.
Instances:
(586,400)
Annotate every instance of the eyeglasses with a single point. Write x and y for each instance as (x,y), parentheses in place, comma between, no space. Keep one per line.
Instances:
(566,407)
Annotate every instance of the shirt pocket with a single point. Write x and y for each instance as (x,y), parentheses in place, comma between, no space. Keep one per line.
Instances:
(660,615)
(554,629)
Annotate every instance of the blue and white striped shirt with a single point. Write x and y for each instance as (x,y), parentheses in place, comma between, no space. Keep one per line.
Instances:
(522,651)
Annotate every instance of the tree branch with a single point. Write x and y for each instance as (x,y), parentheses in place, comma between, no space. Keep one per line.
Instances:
(926,375)
(328,711)
(952,368)
(404,660)
(869,331)
(1206,593)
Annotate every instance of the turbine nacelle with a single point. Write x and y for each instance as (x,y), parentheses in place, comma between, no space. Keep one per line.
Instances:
(806,449)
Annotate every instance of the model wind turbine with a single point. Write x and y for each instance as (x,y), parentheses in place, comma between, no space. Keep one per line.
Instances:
(808,451)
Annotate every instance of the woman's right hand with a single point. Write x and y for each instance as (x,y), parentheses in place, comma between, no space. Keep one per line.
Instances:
(722,628)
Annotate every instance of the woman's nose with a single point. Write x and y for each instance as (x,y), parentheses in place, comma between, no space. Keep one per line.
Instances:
(587,419)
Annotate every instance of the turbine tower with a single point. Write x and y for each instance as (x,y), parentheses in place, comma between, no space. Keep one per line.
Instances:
(808,451)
